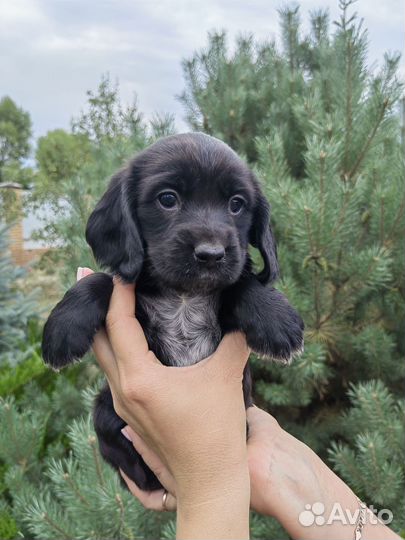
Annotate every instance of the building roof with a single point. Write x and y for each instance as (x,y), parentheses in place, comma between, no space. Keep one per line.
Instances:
(11,185)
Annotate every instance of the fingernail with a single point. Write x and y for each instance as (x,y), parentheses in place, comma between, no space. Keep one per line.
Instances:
(79,274)
(126,434)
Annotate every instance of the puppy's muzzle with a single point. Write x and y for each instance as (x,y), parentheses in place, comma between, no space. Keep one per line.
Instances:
(209,254)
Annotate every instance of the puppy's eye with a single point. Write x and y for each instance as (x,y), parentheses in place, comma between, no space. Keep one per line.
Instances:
(167,199)
(236,204)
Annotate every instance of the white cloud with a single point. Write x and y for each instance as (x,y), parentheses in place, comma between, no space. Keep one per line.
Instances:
(16,12)
(91,39)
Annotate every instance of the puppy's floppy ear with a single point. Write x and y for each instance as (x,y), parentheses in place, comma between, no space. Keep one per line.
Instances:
(112,231)
(261,237)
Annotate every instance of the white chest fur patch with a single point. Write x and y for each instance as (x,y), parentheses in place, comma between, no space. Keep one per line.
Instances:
(187,327)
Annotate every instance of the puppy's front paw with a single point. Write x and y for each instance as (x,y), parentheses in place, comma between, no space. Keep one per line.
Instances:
(72,324)
(278,337)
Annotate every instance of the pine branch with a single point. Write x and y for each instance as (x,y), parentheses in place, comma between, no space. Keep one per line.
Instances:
(322,157)
(92,441)
(382,221)
(75,489)
(123,526)
(397,218)
(346,467)
(55,526)
(349,119)
(368,142)
(315,275)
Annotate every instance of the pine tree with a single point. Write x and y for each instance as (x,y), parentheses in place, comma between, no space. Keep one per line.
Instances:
(326,143)
(372,458)
(17,308)
(65,496)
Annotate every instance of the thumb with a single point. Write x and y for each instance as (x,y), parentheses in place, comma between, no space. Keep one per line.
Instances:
(124,331)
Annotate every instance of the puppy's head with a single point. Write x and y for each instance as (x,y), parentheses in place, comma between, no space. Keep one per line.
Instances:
(188,206)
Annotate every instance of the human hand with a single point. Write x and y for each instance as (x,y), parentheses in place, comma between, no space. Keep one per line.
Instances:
(285,476)
(192,417)
(261,445)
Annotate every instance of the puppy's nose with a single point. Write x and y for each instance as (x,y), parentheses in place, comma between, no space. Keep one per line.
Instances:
(209,253)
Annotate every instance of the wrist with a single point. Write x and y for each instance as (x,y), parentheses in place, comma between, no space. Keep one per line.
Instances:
(199,484)
(215,507)
(208,468)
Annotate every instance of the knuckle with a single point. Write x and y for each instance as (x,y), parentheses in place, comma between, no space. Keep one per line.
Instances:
(143,393)
(138,389)
(129,390)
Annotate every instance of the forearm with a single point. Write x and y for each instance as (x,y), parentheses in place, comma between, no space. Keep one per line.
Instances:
(304,480)
(219,510)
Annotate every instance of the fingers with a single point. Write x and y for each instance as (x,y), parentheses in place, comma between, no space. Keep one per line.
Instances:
(83,272)
(152,500)
(261,424)
(101,346)
(257,419)
(119,350)
(255,415)
(151,459)
(124,331)
(105,355)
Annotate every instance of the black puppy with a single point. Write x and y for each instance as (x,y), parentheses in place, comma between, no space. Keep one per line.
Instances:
(177,220)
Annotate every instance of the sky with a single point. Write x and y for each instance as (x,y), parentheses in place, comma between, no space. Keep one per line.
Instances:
(53,51)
